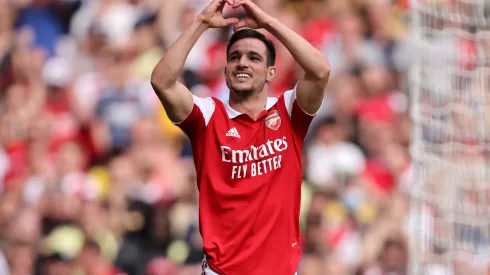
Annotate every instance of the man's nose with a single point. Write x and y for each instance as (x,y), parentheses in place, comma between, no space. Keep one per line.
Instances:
(243,61)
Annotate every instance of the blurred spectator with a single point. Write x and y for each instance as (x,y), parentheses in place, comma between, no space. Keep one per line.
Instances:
(393,259)
(57,264)
(330,158)
(42,16)
(349,49)
(21,235)
(95,179)
(93,262)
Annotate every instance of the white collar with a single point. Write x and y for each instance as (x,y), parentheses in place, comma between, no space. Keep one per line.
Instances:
(232,113)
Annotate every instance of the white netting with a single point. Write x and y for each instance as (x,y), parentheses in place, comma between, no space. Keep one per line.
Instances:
(450,89)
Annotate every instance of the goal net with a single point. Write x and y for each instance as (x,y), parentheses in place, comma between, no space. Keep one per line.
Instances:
(450,105)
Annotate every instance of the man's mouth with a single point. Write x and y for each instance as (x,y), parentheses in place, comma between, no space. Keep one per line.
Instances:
(242,75)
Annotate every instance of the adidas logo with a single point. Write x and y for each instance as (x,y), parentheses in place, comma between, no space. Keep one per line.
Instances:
(233,133)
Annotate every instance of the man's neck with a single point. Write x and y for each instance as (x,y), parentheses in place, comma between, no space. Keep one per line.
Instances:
(252,105)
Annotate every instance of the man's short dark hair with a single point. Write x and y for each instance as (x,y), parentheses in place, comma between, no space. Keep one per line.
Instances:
(250,33)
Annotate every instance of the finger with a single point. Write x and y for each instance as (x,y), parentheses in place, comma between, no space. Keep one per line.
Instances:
(219,3)
(221,7)
(230,2)
(237,3)
(240,2)
(231,21)
(249,13)
(248,4)
(239,25)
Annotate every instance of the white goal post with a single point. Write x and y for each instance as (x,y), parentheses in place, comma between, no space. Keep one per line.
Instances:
(450,148)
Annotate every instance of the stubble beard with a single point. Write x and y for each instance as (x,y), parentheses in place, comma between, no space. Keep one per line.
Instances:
(244,93)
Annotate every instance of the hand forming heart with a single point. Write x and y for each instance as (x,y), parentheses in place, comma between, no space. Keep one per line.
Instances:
(255,17)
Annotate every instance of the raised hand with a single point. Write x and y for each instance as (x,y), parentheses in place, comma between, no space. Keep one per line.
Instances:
(212,15)
(255,17)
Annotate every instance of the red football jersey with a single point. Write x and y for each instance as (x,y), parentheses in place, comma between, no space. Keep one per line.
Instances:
(249,177)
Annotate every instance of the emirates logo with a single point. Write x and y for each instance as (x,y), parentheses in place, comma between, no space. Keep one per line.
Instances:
(273,121)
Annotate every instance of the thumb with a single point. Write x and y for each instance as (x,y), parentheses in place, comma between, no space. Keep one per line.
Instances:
(239,25)
(231,21)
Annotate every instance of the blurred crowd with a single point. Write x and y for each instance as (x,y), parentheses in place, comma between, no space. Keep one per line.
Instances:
(95,180)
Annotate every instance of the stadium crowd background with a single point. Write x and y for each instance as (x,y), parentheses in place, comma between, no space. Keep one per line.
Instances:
(95,180)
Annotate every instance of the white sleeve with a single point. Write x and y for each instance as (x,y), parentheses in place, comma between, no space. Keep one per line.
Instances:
(206,105)
(289,97)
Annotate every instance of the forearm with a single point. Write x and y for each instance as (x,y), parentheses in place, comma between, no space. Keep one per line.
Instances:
(171,66)
(311,60)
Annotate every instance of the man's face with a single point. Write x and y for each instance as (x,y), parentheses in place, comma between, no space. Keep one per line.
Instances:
(394,261)
(246,69)
(58,267)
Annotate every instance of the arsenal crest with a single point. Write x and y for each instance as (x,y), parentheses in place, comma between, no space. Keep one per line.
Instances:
(273,120)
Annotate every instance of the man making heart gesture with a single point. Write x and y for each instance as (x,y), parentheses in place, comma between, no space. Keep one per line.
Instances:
(247,149)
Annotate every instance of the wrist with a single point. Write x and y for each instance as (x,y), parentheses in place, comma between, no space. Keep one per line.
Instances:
(270,24)
(201,22)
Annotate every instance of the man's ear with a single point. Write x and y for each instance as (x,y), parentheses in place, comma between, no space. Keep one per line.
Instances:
(271,73)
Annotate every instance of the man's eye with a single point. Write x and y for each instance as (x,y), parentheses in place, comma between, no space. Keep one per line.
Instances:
(234,58)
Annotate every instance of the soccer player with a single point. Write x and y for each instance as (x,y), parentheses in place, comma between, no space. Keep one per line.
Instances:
(247,150)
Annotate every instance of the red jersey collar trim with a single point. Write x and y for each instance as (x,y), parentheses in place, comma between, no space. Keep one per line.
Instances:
(232,113)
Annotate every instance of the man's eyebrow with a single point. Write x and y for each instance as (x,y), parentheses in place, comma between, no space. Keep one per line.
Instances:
(249,52)
(255,53)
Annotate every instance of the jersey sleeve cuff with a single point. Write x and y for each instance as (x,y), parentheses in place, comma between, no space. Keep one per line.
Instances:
(291,100)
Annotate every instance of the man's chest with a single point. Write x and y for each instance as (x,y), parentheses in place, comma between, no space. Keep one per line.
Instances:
(249,149)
